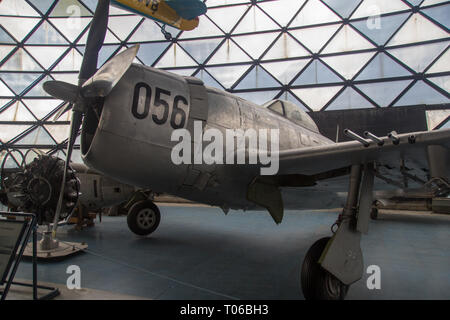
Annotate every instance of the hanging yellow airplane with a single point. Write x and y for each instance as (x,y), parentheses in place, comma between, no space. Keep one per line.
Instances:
(180,14)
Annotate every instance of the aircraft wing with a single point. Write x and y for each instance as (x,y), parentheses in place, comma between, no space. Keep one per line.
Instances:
(187,9)
(314,160)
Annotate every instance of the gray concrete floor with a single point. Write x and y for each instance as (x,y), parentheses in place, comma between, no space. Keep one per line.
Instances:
(199,253)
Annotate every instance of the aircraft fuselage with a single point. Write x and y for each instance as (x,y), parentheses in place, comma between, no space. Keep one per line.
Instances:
(131,141)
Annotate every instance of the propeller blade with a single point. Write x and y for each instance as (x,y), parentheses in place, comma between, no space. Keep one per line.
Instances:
(94,43)
(95,40)
(75,125)
(61,111)
(104,80)
(61,90)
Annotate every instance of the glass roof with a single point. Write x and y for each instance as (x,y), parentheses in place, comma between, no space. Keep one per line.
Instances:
(317,54)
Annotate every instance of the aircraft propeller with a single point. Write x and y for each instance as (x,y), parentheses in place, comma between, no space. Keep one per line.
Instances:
(91,84)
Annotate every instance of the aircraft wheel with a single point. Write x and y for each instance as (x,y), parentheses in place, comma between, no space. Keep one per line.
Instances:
(317,283)
(143,217)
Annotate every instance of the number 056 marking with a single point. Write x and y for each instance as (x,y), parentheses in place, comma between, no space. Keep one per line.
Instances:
(161,97)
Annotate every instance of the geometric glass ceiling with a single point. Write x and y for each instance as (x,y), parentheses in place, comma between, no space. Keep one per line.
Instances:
(319,54)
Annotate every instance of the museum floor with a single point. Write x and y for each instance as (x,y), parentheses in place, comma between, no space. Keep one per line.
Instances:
(199,253)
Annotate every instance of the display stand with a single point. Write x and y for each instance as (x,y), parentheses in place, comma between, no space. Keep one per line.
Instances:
(15,238)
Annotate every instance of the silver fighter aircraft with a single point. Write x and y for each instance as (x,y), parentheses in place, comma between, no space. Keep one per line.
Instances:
(128,112)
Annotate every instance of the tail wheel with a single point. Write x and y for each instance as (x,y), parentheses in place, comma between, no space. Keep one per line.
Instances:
(317,283)
(143,218)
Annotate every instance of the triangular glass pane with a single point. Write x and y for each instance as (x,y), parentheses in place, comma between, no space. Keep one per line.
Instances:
(421,93)
(18,82)
(46,34)
(147,28)
(442,82)
(442,65)
(415,2)
(348,65)
(4,91)
(46,55)
(232,14)
(285,47)
(349,99)
(417,29)
(257,78)
(106,53)
(255,20)
(347,39)
(343,7)
(316,98)
(258,97)
(315,38)
(208,80)
(38,90)
(436,117)
(16,112)
(5,38)
(175,57)
(439,14)
(41,107)
(71,62)
(42,5)
(419,57)
(290,97)
(378,7)
(200,49)
(10,131)
(383,93)
(256,44)
(67,77)
(228,75)
(316,73)
(92,4)
(285,71)
(446,125)
(314,12)
(71,30)
(5,50)
(17,8)
(59,132)
(36,136)
(382,66)
(19,27)
(122,26)
(70,8)
(229,52)
(150,52)
(282,11)
(380,33)
(431,2)
(20,61)
(4,102)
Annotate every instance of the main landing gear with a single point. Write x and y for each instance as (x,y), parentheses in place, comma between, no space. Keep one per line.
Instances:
(332,264)
(143,217)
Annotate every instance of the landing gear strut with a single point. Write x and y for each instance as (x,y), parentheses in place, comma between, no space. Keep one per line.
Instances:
(333,264)
(166,34)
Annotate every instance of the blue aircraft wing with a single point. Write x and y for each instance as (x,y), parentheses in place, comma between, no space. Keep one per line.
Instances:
(188,9)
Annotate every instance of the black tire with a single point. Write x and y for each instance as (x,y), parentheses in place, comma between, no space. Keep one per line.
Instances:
(143,218)
(317,283)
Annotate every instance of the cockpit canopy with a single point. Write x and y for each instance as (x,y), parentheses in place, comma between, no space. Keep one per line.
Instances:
(292,112)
